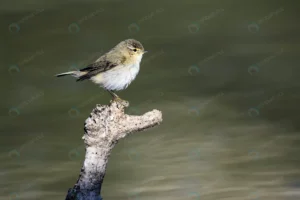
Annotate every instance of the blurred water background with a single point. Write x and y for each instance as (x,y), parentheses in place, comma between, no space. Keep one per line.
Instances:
(225,74)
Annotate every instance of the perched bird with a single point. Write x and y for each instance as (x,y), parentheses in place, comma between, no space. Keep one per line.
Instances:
(114,70)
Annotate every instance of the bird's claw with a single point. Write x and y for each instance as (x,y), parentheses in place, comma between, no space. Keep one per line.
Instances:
(121,101)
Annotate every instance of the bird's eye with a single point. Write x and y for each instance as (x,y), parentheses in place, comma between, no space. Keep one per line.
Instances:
(134,50)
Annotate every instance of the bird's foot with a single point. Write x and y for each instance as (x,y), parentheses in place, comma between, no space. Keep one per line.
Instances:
(120,101)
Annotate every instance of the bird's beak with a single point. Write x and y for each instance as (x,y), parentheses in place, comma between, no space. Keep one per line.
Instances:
(145,51)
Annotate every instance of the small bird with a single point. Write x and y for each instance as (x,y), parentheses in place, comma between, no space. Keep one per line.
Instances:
(114,70)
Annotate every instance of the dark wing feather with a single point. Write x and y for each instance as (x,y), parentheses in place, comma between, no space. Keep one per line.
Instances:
(96,68)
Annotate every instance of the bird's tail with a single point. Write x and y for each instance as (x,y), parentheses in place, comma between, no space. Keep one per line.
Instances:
(73,73)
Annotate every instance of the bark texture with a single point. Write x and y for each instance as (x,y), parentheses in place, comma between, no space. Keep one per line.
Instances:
(104,127)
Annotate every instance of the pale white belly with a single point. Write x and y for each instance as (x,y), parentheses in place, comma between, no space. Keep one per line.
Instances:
(117,78)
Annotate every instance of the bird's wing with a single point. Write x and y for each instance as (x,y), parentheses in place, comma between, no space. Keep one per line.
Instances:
(96,68)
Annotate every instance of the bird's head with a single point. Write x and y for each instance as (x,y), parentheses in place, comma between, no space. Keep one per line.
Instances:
(132,50)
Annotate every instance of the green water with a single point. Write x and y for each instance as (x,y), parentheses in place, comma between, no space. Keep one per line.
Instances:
(225,74)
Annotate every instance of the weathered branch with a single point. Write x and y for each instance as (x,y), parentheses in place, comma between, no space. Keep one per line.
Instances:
(105,126)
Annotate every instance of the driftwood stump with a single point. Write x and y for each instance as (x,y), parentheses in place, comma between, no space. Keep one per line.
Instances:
(105,126)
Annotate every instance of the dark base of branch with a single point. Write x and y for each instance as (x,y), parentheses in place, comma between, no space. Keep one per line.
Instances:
(74,194)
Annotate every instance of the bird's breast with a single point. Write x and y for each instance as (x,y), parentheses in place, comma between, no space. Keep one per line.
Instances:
(119,77)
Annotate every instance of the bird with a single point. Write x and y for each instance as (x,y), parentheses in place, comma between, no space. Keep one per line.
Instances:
(114,70)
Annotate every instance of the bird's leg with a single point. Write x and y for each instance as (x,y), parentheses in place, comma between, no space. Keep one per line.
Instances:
(113,94)
(118,99)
